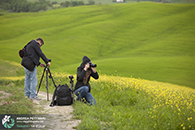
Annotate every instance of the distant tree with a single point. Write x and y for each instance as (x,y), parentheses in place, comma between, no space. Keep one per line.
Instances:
(38,6)
(19,5)
(74,3)
(48,3)
(91,2)
(5,6)
(65,4)
(54,2)
(42,0)
(62,4)
(24,5)
(80,3)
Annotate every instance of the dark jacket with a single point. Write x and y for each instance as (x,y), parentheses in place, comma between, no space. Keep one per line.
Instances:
(34,52)
(81,74)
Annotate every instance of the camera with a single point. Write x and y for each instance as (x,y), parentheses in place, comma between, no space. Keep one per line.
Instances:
(92,65)
(71,77)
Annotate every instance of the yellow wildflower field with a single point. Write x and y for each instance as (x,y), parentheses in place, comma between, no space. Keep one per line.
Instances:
(173,106)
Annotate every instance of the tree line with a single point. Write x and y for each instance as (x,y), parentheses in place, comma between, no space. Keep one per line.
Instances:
(76,3)
(41,5)
(24,5)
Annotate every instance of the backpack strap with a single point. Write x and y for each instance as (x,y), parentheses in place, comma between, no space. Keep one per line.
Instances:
(53,103)
(27,45)
(22,52)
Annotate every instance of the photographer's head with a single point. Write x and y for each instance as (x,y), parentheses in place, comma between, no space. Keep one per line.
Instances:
(87,64)
(40,41)
(86,60)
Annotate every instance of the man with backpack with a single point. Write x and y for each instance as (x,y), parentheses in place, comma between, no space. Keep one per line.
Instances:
(82,87)
(30,60)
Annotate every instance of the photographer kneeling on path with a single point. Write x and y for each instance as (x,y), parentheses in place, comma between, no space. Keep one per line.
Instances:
(30,60)
(82,87)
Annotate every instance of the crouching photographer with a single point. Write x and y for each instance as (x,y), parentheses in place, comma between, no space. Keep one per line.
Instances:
(82,87)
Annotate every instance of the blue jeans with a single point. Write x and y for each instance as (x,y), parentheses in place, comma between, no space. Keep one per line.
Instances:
(30,82)
(83,92)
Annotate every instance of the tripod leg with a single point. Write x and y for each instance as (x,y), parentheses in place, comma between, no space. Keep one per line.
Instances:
(71,86)
(41,80)
(51,77)
(47,84)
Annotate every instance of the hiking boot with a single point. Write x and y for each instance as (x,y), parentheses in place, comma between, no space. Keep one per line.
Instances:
(35,98)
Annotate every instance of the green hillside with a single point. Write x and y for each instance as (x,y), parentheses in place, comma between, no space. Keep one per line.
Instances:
(152,41)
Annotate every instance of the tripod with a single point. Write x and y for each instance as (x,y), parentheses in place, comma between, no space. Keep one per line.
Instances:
(50,76)
(71,86)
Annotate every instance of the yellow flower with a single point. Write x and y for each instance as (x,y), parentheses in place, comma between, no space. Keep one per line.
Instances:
(189,118)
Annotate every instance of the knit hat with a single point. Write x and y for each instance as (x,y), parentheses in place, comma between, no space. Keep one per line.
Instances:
(86,60)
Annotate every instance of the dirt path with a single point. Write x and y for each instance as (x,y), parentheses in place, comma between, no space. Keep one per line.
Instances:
(60,117)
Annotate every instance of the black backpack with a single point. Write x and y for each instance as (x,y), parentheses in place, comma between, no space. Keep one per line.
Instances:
(62,96)
(22,52)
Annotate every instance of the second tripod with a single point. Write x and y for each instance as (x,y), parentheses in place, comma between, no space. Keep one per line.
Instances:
(47,70)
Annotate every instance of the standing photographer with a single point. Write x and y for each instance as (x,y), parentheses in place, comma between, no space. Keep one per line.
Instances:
(82,87)
(29,62)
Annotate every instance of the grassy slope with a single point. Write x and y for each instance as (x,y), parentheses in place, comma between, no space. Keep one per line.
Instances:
(148,40)
(10,69)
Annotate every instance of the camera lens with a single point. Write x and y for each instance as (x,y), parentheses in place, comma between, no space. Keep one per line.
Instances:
(93,65)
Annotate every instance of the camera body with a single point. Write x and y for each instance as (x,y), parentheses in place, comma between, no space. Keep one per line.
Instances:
(92,65)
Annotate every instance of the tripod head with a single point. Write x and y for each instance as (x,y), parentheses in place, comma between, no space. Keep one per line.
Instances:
(71,78)
(48,64)
(71,82)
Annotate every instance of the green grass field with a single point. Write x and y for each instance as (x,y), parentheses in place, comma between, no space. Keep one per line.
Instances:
(152,41)
(129,42)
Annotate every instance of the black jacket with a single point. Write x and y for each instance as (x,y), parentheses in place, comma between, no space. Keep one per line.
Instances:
(32,55)
(34,52)
(81,74)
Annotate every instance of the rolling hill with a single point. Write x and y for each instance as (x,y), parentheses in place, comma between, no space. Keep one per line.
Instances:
(152,41)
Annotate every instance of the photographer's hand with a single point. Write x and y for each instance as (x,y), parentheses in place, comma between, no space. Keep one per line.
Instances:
(48,64)
(93,69)
(42,65)
(86,66)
